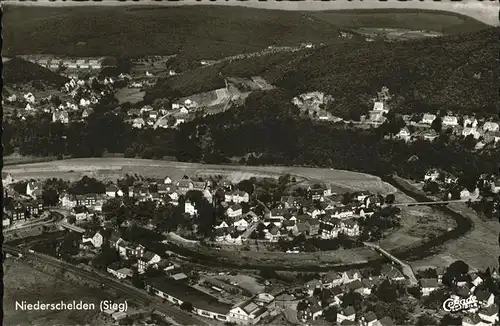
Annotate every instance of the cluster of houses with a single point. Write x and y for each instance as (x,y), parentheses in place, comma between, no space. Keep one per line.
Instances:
(148,117)
(54,63)
(81,100)
(321,294)
(483,131)
(447,180)
(299,215)
(21,207)
(174,285)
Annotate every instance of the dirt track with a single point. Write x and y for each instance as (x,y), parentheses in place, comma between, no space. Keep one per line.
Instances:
(112,168)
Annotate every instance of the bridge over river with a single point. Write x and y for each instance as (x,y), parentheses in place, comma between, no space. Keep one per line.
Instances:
(405,268)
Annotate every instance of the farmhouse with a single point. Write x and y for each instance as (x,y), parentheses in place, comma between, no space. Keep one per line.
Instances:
(177,293)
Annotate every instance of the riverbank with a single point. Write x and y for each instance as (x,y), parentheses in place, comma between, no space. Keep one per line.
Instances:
(287,262)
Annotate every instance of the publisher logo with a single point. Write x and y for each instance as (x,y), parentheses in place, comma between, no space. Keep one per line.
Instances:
(456,305)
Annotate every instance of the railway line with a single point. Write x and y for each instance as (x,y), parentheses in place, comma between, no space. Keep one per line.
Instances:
(136,295)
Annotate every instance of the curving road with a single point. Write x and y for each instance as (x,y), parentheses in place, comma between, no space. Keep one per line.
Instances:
(139,296)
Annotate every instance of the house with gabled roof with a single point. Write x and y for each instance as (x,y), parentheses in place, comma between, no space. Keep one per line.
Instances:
(247,312)
(491,126)
(450,121)
(428,118)
(347,313)
(429,285)
(404,134)
(6,179)
(148,259)
(485,298)
(234,211)
(392,273)
(489,314)
(369,319)
(472,320)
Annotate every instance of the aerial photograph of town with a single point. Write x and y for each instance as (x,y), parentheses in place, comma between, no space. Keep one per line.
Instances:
(205,163)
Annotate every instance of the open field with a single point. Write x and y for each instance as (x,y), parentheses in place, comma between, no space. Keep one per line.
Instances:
(208,99)
(478,248)
(24,283)
(131,95)
(112,168)
(418,223)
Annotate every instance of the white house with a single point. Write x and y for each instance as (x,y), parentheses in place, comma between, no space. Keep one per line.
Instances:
(96,240)
(61,116)
(167,181)
(6,179)
(491,126)
(234,211)
(380,107)
(189,208)
(120,273)
(138,123)
(495,186)
(466,194)
(404,134)
(241,224)
(30,98)
(431,175)
(31,187)
(428,118)
(236,197)
(470,122)
(450,121)
(111,191)
(350,228)
(148,259)
(346,314)
(29,107)
(471,131)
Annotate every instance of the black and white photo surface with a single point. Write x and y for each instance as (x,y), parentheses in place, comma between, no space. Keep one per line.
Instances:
(251,163)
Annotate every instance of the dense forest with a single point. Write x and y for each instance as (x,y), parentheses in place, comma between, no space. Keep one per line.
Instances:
(247,131)
(457,73)
(19,71)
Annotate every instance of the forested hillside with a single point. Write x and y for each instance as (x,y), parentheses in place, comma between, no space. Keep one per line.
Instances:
(264,117)
(459,73)
(19,71)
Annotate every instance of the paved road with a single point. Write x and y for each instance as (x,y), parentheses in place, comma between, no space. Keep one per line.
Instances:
(139,296)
